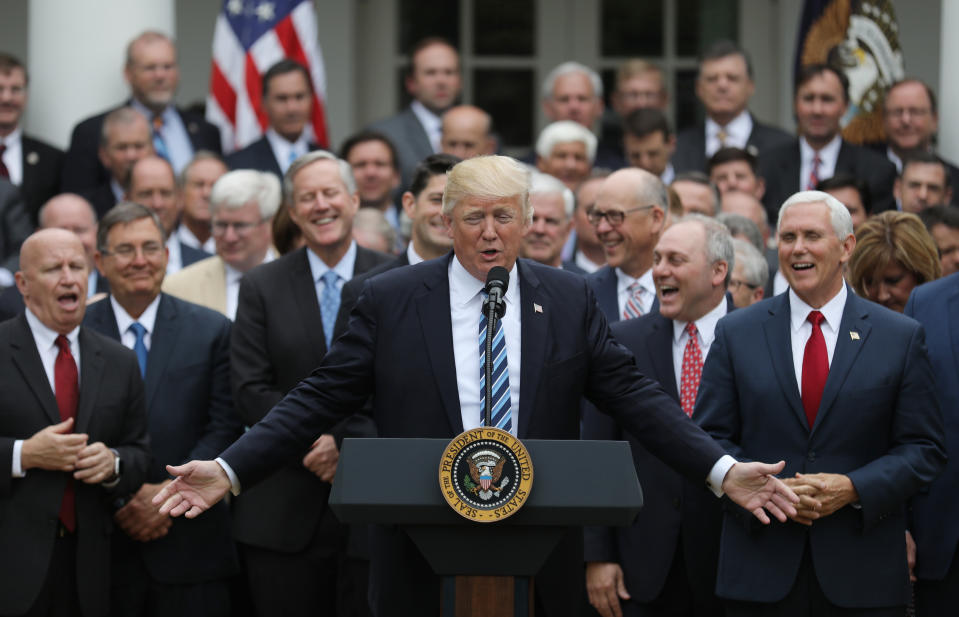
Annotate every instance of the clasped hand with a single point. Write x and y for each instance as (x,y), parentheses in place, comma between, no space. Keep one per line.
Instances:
(820,494)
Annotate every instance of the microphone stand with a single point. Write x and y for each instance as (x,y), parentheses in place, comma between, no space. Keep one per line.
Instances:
(491,317)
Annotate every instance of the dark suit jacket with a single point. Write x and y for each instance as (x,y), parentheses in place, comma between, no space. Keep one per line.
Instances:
(672,505)
(277,341)
(190,255)
(101,197)
(878,423)
(190,416)
(690,153)
(82,169)
(935,511)
(11,302)
(351,290)
(567,353)
(258,155)
(42,167)
(410,140)
(604,283)
(111,410)
(780,168)
(15,224)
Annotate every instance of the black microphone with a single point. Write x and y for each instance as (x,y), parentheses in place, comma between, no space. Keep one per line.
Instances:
(497,280)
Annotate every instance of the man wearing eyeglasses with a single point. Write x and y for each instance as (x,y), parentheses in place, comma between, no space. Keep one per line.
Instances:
(628,218)
(183,351)
(242,203)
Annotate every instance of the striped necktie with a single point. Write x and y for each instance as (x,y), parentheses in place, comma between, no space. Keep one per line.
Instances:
(501,416)
(633,307)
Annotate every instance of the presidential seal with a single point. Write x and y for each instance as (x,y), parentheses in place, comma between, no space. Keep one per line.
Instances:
(486,474)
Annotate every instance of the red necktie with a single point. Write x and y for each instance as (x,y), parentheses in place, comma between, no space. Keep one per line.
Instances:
(692,371)
(66,382)
(815,368)
(4,172)
(814,173)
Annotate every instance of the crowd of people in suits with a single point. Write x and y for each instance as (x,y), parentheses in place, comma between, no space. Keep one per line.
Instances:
(160,297)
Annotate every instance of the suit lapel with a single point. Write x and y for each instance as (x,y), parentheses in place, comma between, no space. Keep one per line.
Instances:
(304,294)
(533,343)
(266,153)
(30,161)
(847,350)
(660,348)
(433,310)
(952,323)
(416,133)
(845,160)
(91,373)
(779,342)
(163,340)
(791,167)
(26,358)
(606,293)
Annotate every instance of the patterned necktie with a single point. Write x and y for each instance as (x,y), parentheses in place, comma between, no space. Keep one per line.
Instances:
(4,172)
(66,384)
(815,368)
(501,416)
(329,304)
(814,173)
(139,346)
(158,144)
(692,370)
(633,306)
(722,136)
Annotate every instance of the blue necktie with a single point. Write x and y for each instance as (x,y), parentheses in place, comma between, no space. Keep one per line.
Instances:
(159,146)
(329,303)
(139,347)
(501,416)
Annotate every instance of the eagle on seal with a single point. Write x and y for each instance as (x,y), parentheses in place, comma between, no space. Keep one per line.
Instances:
(485,476)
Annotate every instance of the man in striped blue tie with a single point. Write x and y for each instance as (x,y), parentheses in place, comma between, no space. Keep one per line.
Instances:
(412,342)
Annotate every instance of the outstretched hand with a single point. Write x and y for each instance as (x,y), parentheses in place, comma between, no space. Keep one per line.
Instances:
(754,486)
(196,487)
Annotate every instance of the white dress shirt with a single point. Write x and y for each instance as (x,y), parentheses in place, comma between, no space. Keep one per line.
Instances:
(286,152)
(586,263)
(647,290)
(800,329)
(147,319)
(13,155)
(174,255)
(45,339)
(737,133)
(432,124)
(466,307)
(706,333)
(668,175)
(413,257)
(828,156)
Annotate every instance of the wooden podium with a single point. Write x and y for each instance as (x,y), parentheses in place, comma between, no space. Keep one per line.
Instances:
(600,489)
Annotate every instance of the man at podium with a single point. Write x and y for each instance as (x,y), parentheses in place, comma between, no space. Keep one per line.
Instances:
(412,343)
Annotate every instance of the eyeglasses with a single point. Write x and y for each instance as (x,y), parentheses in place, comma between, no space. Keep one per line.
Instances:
(735,284)
(239,227)
(613,217)
(128,252)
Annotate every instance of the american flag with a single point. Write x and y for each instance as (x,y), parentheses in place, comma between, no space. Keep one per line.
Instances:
(250,36)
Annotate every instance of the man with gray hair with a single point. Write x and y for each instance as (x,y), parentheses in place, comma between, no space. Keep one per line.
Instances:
(196,182)
(842,390)
(566,150)
(552,204)
(242,204)
(152,72)
(412,344)
(675,572)
(294,548)
(750,274)
(124,139)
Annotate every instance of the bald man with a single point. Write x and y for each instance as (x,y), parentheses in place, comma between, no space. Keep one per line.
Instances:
(466,132)
(69,447)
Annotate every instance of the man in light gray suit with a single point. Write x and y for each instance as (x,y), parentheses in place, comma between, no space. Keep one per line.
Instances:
(434,84)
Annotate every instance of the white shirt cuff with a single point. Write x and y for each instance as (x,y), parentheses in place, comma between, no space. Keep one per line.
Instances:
(718,473)
(234,481)
(16,470)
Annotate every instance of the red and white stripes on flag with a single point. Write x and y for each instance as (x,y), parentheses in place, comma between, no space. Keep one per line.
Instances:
(251,36)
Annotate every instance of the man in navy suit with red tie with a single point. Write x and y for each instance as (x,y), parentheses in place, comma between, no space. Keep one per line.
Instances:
(843,390)
(412,343)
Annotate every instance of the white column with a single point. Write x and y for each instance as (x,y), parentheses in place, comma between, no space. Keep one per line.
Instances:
(948,84)
(76,54)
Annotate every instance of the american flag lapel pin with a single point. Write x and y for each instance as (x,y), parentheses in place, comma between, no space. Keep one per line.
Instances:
(854,336)
(537,308)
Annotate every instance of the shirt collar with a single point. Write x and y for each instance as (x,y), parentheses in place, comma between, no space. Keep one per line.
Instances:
(13,139)
(46,337)
(426,117)
(411,254)
(645,281)
(705,325)
(124,320)
(146,111)
(831,310)
(738,128)
(464,287)
(344,268)
(283,145)
(827,154)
